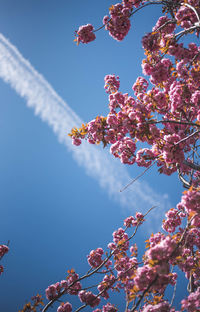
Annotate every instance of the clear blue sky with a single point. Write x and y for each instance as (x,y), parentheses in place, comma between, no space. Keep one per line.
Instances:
(52,212)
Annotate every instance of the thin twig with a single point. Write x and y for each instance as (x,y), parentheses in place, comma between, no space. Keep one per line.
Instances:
(186,31)
(101,27)
(186,184)
(188,137)
(140,175)
(174,294)
(145,5)
(179,122)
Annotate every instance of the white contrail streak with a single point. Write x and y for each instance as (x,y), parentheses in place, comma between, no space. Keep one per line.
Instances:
(39,94)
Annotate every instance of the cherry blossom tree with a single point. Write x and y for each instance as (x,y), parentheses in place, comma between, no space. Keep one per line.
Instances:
(163,114)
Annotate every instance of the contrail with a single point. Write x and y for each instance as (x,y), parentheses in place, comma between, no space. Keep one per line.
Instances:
(40,95)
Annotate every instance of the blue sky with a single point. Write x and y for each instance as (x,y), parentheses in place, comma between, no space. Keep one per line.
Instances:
(52,211)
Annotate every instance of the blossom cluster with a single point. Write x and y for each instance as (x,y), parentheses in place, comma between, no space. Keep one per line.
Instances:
(65,307)
(95,257)
(89,298)
(85,34)
(71,286)
(118,23)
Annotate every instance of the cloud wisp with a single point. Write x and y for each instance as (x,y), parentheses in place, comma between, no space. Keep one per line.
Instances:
(39,94)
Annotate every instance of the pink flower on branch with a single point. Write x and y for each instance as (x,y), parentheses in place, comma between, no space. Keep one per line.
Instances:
(65,307)
(85,34)
(118,24)
(89,298)
(95,257)
(111,83)
(3,250)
